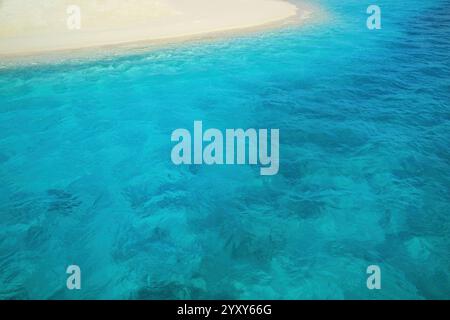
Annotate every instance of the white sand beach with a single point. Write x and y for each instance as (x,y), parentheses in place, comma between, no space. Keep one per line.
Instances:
(28,27)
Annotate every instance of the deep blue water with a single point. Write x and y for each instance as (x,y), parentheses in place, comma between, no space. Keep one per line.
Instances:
(364,118)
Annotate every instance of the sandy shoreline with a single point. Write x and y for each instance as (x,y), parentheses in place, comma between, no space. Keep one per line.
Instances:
(28,31)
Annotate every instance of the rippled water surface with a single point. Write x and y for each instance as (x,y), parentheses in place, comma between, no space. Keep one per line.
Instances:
(364,118)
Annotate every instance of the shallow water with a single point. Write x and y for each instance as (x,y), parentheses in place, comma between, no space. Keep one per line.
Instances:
(86,176)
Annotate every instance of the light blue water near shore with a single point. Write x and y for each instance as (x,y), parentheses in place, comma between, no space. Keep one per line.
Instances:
(364,119)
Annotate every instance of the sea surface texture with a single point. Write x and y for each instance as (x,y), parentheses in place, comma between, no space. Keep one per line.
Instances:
(86,176)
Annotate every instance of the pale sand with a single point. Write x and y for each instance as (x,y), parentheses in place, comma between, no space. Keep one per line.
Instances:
(28,27)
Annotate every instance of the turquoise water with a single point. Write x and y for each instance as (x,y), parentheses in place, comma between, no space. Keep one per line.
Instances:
(364,118)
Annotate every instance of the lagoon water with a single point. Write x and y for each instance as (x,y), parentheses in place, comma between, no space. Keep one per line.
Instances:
(364,116)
